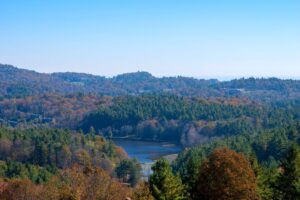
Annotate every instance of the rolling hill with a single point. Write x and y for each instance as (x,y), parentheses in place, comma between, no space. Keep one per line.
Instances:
(16,82)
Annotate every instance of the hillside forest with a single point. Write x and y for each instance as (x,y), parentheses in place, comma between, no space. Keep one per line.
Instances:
(240,139)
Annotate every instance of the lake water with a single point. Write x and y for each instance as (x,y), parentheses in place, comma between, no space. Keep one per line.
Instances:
(147,152)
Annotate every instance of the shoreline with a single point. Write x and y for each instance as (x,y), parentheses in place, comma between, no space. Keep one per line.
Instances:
(163,142)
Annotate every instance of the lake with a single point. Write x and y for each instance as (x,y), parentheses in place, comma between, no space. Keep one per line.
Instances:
(147,152)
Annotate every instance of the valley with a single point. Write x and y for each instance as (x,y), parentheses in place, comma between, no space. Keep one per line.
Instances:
(130,136)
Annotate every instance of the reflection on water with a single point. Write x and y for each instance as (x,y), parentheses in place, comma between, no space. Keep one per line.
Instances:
(147,152)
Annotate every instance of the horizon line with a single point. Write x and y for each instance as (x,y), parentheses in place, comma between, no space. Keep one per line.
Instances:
(204,77)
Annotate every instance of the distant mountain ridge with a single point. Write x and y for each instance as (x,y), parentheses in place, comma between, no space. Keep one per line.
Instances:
(15,82)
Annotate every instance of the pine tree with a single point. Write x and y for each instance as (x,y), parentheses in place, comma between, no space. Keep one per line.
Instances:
(264,176)
(40,154)
(288,183)
(163,184)
(129,171)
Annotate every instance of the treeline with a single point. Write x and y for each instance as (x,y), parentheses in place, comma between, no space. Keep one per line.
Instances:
(77,182)
(41,163)
(54,148)
(223,174)
(267,151)
(35,173)
(15,82)
(48,110)
(186,120)
(226,174)
(263,165)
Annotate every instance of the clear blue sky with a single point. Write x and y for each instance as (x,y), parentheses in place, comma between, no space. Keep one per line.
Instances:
(200,38)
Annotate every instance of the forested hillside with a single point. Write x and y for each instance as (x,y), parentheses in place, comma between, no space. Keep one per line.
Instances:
(150,100)
(240,138)
(48,110)
(186,120)
(57,148)
(17,82)
(183,120)
(264,165)
(266,151)
(36,163)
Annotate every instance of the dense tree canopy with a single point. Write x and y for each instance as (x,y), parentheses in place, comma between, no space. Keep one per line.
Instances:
(15,82)
(53,129)
(186,120)
(34,153)
(268,146)
(74,183)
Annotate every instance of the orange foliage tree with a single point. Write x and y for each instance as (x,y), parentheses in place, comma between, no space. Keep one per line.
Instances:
(75,183)
(226,174)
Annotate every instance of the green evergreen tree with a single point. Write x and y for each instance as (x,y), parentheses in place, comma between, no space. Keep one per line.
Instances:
(288,183)
(264,176)
(129,171)
(163,184)
(40,154)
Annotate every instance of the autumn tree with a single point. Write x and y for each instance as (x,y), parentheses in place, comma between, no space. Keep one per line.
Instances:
(142,192)
(75,183)
(163,184)
(226,175)
(86,182)
(17,189)
(64,156)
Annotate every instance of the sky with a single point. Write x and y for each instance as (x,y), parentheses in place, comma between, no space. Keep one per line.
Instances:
(198,38)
